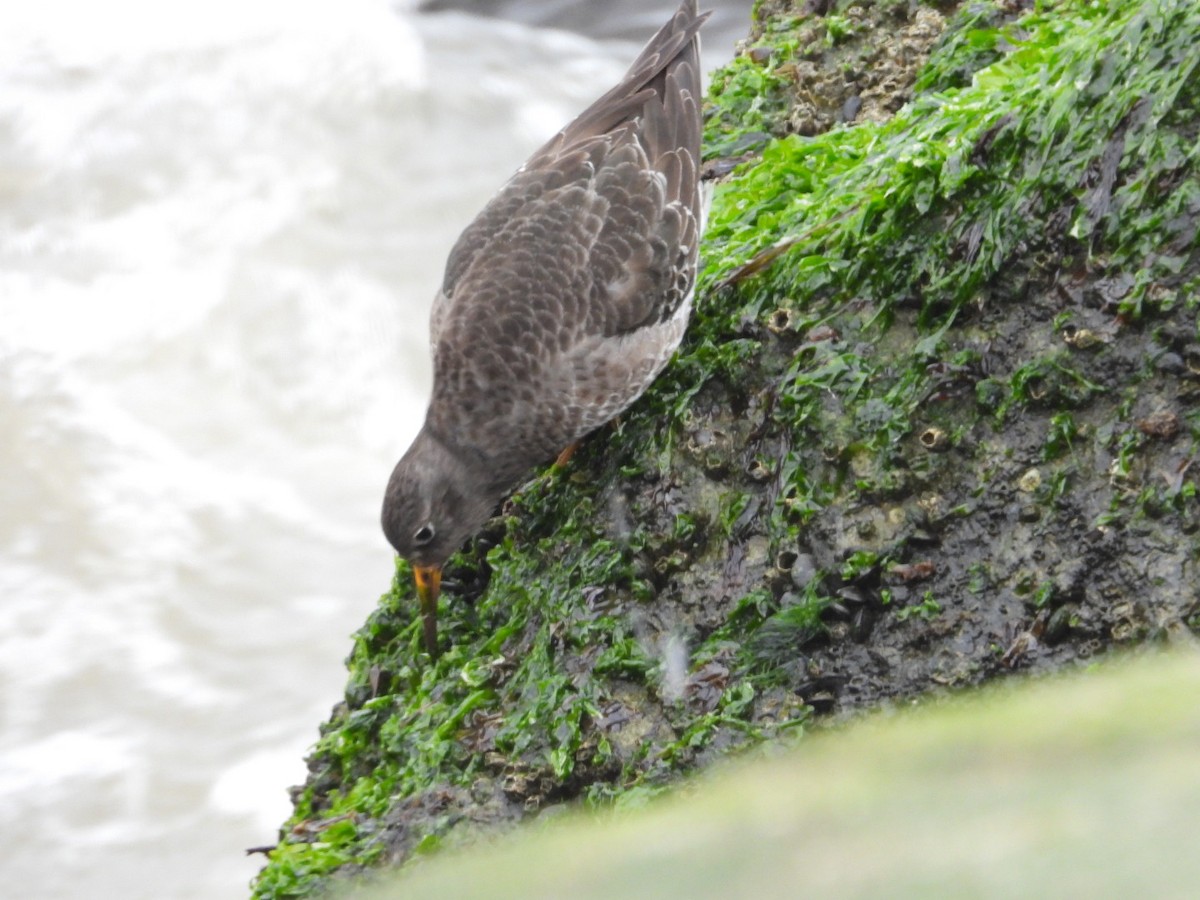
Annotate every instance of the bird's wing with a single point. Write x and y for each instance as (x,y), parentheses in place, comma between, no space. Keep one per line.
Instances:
(645,128)
(595,237)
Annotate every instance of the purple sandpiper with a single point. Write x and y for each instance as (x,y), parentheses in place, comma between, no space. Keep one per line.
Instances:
(561,303)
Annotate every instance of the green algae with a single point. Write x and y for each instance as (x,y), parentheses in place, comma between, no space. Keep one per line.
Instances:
(997,794)
(926,207)
(848,279)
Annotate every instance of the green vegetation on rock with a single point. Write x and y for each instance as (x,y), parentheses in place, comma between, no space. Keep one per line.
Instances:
(1079,786)
(933,421)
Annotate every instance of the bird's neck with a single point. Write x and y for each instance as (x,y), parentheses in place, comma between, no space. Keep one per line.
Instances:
(474,464)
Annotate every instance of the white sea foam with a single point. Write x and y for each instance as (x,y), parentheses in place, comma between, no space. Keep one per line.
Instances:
(220,228)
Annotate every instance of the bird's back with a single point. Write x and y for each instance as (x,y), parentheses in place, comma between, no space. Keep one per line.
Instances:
(563,299)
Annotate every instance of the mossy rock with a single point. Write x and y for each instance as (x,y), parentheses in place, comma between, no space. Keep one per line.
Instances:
(933,423)
(1081,786)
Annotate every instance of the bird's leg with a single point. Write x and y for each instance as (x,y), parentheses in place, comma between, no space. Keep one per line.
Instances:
(565,456)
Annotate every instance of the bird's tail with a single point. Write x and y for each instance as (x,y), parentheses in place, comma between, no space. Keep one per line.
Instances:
(667,67)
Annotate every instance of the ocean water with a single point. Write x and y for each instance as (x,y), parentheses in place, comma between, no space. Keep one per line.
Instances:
(221,226)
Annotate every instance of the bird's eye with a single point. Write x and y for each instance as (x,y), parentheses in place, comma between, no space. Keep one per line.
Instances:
(423,535)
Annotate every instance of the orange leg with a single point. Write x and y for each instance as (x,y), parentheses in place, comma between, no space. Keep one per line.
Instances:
(565,456)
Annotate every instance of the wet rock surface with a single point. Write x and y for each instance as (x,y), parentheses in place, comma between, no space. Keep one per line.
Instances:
(829,502)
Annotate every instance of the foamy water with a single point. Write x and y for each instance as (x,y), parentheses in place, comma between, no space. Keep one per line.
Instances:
(220,230)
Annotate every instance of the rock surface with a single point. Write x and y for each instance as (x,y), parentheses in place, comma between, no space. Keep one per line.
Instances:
(934,423)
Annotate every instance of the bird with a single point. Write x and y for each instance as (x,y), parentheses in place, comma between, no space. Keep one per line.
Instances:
(561,302)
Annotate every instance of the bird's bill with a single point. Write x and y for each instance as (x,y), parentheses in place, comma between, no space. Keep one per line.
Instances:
(429,585)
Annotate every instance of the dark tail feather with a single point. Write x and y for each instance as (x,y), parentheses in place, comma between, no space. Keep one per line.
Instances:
(674,52)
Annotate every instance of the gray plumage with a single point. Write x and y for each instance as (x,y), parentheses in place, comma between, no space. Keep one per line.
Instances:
(561,301)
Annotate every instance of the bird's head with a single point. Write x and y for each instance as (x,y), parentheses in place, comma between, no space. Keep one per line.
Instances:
(434,501)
